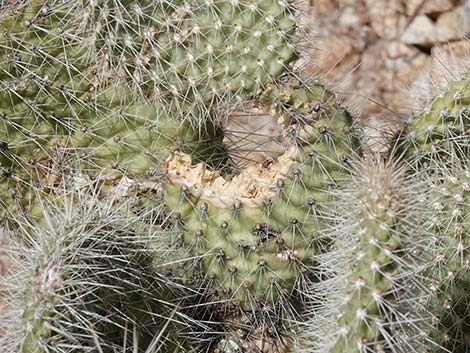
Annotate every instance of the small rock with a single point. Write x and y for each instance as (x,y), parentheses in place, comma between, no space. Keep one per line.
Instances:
(422,7)
(387,18)
(453,25)
(352,16)
(421,31)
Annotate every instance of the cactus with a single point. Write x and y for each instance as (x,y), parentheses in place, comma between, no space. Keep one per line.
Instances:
(56,108)
(435,144)
(256,234)
(108,90)
(199,52)
(84,275)
(374,295)
(441,127)
(448,218)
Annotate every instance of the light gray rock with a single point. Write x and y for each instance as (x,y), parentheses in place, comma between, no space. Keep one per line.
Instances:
(422,7)
(421,31)
(453,25)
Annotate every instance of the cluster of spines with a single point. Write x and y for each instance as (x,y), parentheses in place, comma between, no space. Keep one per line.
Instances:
(436,146)
(441,128)
(379,251)
(57,113)
(200,52)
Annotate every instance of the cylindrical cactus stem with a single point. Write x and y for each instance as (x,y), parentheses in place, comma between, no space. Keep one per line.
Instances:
(441,128)
(257,233)
(435,143)
(374,291)
(190,55)
(449,219)
(83,275)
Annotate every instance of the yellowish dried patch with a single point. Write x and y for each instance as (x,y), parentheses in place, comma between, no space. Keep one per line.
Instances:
(253,186)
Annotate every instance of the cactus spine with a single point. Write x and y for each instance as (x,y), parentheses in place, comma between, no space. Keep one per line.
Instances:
(379,251)
(199,52)
(85,275)
(55,108)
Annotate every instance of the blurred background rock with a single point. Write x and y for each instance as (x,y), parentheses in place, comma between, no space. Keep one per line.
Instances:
(373,50)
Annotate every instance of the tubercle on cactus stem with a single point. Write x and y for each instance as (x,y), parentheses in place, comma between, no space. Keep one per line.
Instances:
(257,233)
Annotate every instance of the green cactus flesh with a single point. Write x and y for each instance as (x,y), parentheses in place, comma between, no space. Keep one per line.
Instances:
(436,144)
(257,234)
(52,106)
(197,51)
(364,314)
(450,200)
(444,122)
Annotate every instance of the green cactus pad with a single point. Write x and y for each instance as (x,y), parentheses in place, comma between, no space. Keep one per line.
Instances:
(257,234)
(199,52)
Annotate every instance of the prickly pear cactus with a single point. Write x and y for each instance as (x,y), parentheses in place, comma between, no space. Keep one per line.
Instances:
(256,234)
